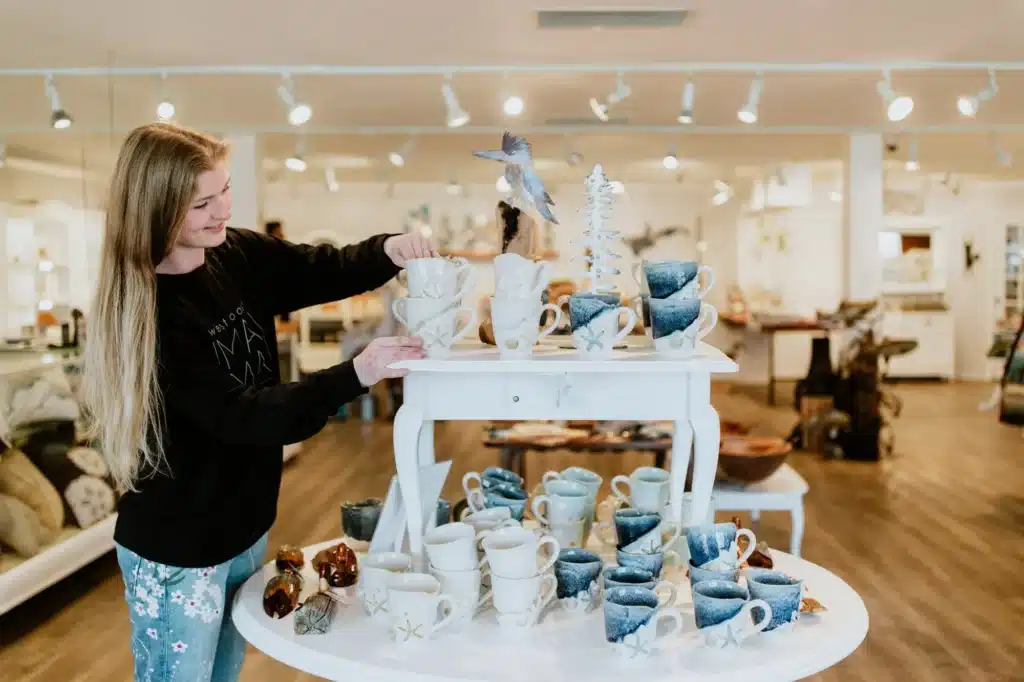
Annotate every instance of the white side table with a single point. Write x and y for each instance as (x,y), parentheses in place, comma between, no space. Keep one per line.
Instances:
(782,491)
(633,384)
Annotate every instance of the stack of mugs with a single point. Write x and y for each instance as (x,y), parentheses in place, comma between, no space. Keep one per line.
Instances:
(517,305)
(522,583)
(672,306)
(437,287)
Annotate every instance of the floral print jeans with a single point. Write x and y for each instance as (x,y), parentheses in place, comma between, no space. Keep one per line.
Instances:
(181,617)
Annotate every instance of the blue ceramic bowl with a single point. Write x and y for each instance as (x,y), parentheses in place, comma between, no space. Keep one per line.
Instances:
(626,610)
(575,569)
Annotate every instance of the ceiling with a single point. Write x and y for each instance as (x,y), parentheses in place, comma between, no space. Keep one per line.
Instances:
(359,118)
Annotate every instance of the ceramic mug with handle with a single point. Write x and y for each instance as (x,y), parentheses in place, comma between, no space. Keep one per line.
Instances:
(435,321)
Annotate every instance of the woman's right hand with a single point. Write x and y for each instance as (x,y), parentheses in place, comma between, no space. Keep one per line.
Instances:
(372,364)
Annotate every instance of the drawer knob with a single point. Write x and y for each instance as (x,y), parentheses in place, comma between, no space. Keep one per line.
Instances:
(515,399)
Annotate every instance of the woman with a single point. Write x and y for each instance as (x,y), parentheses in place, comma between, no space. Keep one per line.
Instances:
(182,388)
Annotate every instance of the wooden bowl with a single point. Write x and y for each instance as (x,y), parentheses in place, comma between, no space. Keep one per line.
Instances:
(751,459)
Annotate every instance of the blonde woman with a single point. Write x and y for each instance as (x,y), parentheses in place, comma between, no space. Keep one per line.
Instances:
(182,388)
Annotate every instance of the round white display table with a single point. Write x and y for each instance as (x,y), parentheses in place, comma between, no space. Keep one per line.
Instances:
(561,646)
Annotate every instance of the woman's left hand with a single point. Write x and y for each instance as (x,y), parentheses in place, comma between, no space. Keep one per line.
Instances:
(404,247)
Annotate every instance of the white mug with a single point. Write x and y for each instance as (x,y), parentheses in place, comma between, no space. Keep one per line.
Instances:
(519,277)
(521,595)
(513,552)
(443,278)
(516,324)
(464,589)
(564,501)
(648,489)
(452,547)
(434,321)
(413,601)
(375,572)
(569,534)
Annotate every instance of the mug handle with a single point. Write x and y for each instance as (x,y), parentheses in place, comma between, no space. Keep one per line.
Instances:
(711,280)
(676,560)
(535,508)
(450,616)
(670,600)
(555,549)
(548,587)
(619,495)
(469,282)
(751,544)
(467,479)
(631,314)
(672,614)
(635,269)
(469,323)
(766,619)
(394,311)
(476,501)
(549,475)
(675,536)
(554,325)
(708,312)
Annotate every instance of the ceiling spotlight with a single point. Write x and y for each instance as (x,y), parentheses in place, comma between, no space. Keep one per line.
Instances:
(165,111)
(455,116)
(398,157)
(621,92)
(298,113)
(330,179)
(295,163)
(502,185)
(748,114)
(671,161)
(60,119)
(513,106)
(723,192)
(897,107)
(686,113)
(968,105)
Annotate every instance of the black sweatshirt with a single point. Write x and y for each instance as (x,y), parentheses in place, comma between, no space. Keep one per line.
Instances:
(228,416)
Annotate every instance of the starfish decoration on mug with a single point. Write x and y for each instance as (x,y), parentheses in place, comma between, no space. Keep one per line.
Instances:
(432,338)
(375,605)
(592,338)
(634,646)
(409,631)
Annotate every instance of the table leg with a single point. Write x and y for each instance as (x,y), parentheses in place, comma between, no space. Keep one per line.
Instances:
(409,424)
(706,440)
(659,459)
(426,444)
(512,459)
(796,535)
(682,442)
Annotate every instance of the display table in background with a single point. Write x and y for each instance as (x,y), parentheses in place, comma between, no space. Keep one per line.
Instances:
(560,647)
(782,491)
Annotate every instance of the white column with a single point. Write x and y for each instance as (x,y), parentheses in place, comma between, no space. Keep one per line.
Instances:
(864,211)
(246,182)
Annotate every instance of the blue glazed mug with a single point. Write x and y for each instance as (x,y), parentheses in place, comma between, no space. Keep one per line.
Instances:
(700,575)
(648,561)
(576,571)
(359,519)
(677,325)
(488,478)
(631,619)
(714,546)
(725,615)
(677,279)
(782,593)
(500,495)
(595,323)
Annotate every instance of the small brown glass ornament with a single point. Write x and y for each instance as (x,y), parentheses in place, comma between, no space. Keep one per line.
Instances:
(337,566)
(289,556)
(281,595)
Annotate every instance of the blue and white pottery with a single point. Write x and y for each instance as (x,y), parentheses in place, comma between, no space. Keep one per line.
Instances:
(628,576)
(714,546)
(575,569)
(595,323)
(725,615)
(359,519)
(700,575)
(677,325)
(634,524)
(444,512)
(500,495)
(676,278)
(585,477)
(653,562)
(781,592)
(488,478)
(631,617)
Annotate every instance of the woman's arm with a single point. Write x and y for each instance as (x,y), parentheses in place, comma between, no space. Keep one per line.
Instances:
(295,276)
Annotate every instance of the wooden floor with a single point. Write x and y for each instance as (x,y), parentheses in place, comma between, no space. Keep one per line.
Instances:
(933,540)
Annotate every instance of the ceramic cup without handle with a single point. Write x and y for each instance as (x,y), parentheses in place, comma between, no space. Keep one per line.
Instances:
(575,570)
(488,478)
(514,552)
(435,321)
(464,589)
(782,593)
(519,277)
(630,576)
(359,519)
(648,489)
(452,547)
(725,615)
(375,572)
(413,603)
(500,495)
(521,595)
(516,331)
(563,501)
(631,618)
(713,546)
(648,561)
(595,324)
(440,278)
(676,279)
(702,575)
(677,325)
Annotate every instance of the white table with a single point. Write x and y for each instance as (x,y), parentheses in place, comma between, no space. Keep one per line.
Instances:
(559,648)
(782,491)
(633,384)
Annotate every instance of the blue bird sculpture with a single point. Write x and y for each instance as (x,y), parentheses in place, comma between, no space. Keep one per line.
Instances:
(526,185)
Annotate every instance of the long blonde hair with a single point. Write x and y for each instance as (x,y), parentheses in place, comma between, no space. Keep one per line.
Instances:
(151,191)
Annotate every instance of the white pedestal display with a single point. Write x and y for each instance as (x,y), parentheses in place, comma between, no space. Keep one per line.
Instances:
(560,646)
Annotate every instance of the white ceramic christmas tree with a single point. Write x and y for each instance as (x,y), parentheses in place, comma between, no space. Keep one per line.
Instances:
(599,238)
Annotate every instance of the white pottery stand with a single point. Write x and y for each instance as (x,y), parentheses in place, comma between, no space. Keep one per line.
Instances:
(633,384)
